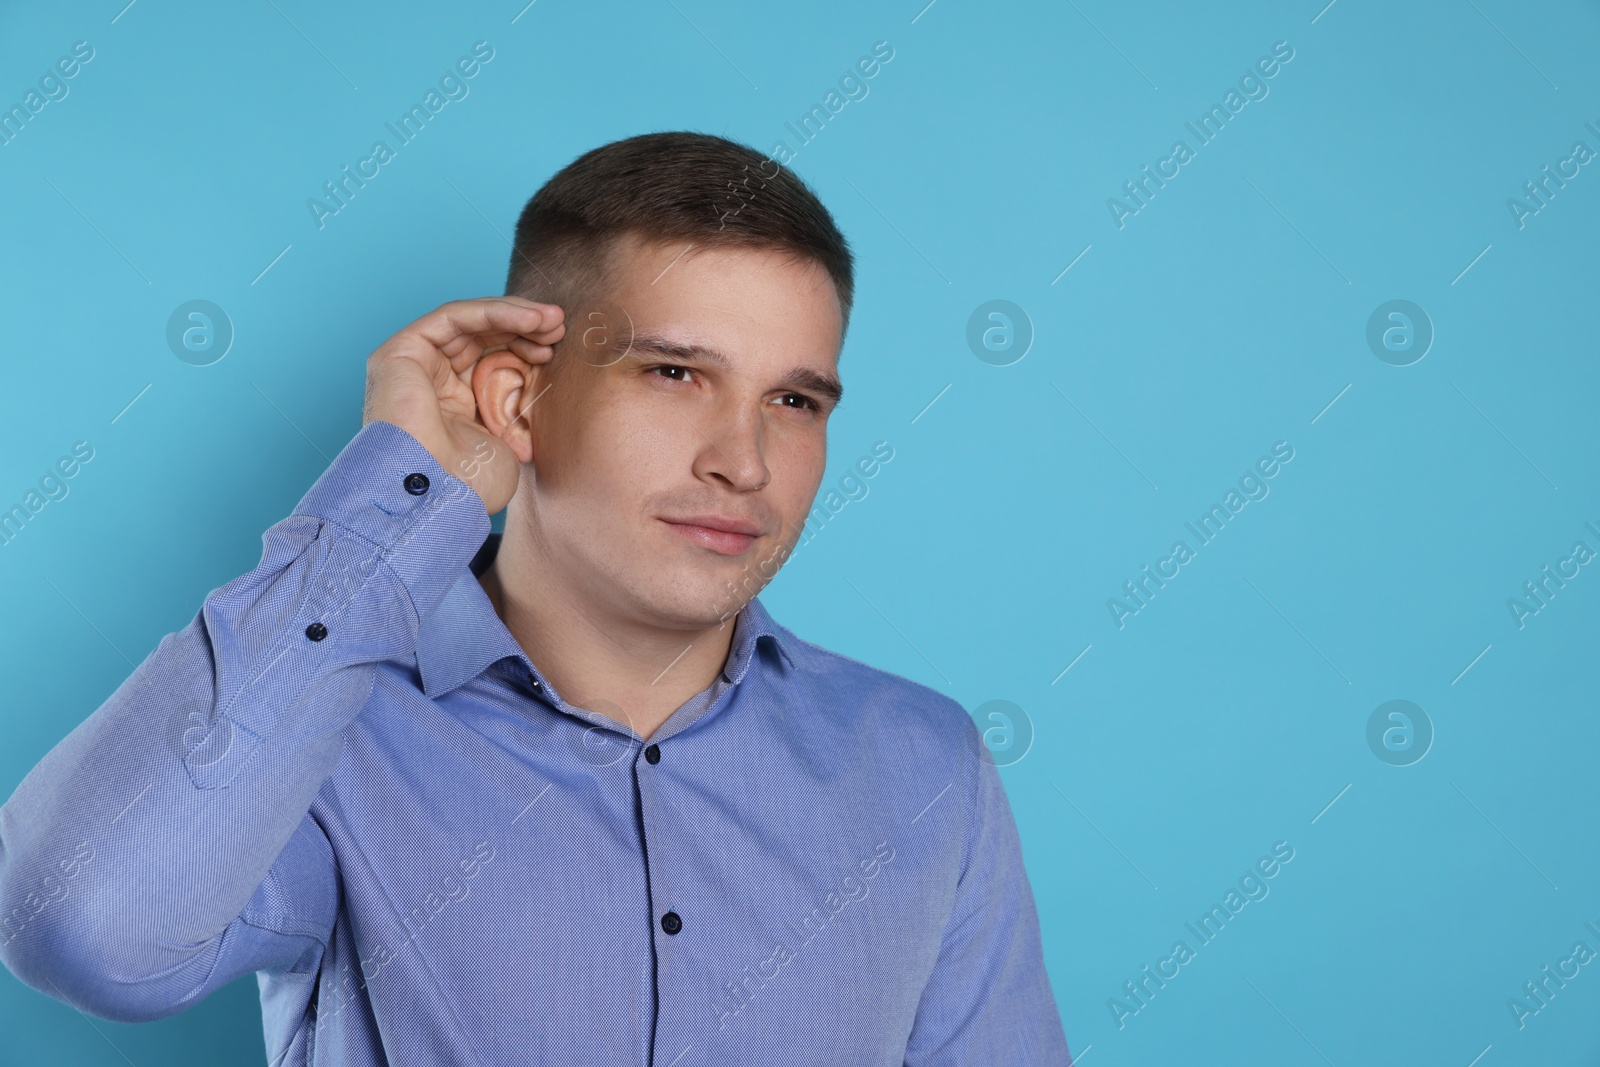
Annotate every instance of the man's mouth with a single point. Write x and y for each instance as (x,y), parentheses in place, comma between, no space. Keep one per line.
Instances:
(720,533)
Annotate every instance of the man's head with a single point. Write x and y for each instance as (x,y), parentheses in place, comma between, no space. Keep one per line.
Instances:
(706,294)
(671,188)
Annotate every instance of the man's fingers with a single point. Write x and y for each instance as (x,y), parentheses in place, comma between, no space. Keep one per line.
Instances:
(458,319)
(464,329)
(530,350)
(550,332)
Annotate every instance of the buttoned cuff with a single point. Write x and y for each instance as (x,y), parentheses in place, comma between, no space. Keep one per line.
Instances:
(386,488)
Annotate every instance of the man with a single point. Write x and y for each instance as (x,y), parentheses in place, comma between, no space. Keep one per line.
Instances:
(569,796)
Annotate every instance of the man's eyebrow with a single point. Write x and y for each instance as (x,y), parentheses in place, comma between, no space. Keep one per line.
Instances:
(825,385)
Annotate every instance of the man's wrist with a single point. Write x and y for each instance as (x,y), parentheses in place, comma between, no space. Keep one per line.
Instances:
(424,521)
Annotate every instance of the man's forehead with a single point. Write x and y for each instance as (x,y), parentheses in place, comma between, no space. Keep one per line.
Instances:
(641,265)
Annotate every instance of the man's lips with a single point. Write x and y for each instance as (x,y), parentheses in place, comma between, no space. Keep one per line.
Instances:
(719,533)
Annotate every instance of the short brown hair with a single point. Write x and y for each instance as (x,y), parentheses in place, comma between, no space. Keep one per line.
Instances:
(670,186)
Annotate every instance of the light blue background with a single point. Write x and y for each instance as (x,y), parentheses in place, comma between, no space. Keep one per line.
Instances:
(1225,316)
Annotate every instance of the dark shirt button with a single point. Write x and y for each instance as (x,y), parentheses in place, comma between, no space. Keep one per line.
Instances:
(653,755)
(535,684)
(671,923)
(316,631)
(416,484)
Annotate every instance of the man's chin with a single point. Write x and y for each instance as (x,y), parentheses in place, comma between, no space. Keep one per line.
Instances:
(707,603)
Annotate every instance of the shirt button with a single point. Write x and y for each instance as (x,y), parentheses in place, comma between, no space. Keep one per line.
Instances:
(316,631)
(417,483)
(653,755)
(671,923)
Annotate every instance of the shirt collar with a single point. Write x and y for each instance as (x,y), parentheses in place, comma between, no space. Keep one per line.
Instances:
(464,636)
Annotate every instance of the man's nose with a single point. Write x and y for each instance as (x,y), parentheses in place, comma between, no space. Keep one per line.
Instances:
(734,449)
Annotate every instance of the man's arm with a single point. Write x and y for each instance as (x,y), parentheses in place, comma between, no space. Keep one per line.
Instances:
(164,847)
(989,999)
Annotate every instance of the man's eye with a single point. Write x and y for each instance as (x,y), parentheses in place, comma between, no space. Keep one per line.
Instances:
(805,401)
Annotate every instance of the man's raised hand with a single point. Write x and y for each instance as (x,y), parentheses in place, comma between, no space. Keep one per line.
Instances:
(421,381)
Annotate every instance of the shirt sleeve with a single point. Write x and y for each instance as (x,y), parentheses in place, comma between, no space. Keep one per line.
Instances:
(165,846)
(989,998)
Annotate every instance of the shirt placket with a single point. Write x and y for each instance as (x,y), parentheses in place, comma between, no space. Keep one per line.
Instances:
(670,918)
(642,759)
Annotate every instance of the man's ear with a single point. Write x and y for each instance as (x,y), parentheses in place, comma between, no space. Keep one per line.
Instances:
(505,386)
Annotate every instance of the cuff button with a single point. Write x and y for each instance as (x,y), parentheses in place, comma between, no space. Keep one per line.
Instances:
(416,484)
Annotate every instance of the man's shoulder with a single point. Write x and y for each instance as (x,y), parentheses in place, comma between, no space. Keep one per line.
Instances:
(852,690)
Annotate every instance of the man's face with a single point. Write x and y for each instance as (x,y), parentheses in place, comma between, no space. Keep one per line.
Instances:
(715,416)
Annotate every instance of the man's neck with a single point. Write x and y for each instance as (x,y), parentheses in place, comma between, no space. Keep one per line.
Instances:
(631,672)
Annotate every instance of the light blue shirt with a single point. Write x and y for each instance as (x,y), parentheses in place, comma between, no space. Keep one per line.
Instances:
(345,774)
